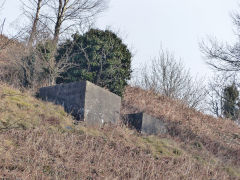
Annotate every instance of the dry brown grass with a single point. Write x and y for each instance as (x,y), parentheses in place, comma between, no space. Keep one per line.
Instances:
(46,145)
(11,52)
(41,154)
(219,137)
(7,47)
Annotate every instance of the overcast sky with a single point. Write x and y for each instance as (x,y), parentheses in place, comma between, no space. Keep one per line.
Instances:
(178,25)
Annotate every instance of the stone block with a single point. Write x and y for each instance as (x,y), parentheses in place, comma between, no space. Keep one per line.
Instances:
(145,123)
(85,101)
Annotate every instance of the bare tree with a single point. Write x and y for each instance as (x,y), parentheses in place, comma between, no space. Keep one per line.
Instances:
(32,8)
(52,67)
(2,23)
(30,69)
(223,56)
(57,16)
(38,29)
(61,15)
(2,4)
(69,14)
(168,76)
(1,27)
(216,91)
(225,59)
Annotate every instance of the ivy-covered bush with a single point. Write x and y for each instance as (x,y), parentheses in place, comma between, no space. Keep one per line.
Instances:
(99,57)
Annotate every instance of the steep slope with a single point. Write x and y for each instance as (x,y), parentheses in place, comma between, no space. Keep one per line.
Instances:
(220,137)
(38,140)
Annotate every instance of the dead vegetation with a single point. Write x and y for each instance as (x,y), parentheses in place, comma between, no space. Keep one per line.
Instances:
(39,141)
(11,51)
(220,137)
(41,154)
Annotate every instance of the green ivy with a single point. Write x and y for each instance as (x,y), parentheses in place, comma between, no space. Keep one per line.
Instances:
(101,57)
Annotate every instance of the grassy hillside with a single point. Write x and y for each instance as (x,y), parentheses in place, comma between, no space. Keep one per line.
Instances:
(220,137)
(38,140)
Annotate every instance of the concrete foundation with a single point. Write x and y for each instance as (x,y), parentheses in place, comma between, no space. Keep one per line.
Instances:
(145,123)
(85,101)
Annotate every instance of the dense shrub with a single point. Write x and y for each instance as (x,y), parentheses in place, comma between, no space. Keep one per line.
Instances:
(100,57)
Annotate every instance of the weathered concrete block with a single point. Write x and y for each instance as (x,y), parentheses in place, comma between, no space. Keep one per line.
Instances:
(85,101)
(145,123)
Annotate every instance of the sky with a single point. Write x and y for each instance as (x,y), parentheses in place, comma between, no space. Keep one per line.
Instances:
(176,25)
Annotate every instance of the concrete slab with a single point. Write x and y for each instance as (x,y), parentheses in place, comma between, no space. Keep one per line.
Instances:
(85,101)
(145,123)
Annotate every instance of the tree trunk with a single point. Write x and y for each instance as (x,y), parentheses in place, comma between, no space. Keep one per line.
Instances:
(61,13)
(35,22)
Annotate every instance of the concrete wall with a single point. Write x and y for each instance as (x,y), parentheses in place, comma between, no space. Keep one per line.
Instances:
(146,124)
(85,101)
(152,125)
(95,105)
(101,105)
(71,96)
(133,121)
